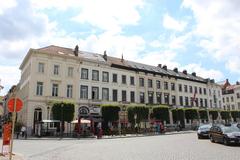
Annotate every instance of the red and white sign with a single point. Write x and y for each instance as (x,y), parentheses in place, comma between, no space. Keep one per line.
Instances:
(11,102)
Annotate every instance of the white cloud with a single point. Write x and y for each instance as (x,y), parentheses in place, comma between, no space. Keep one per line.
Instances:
(105,14)
(173,24)
(166,57)
(10,75)
(5,5)
(204,72)
(218,25)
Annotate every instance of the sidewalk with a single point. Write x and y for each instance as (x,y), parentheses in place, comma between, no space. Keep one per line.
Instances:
(109,136)
(146,135)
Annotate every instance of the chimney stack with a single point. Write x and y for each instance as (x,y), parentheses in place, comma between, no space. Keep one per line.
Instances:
(237,83)
(76,51)
(194,74)
(160,65)
(164,67)
(175,70)
(105,55)
(185,71)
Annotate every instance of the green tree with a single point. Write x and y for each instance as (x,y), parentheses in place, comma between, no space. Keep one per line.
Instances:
(203,114)
(63,111)
(225,115)
(141,112)
(178,116)
(235,115)
(110,113)
(191,113)
(161,113)
(213,114)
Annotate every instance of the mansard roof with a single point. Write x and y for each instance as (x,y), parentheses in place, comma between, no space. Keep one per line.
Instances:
(121,63)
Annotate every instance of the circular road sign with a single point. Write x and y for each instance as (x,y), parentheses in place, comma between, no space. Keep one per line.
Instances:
(10,105)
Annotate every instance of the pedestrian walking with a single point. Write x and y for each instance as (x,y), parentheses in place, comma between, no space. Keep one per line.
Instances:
(23,132)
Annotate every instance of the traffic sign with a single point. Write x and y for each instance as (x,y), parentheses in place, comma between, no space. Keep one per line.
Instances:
(10,104)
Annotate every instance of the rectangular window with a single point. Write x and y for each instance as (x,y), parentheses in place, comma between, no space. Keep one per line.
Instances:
(39,91)
(173,86)
(201,102)
(211,105)
(223,100)
(210,93)
(200,90)
(227,99)
(124,79)
(159,98)
(195,90)
(105,77)
(124,96)
(238,105)
(115,95)
(142,97)
(69,91)
(185,88)
(84,73)
(166,98)
(190,89)
(206,104)
(232,98)
(173,100)
(150,97)
(141,82)
(204,91)
(95,75)
(238,95)
(84,92)
(180,88)
(114,78)
(95,93)
(186,101)
(149,83)
(70,71)
(181,100)
(158,83)
(196,102)
(105,94)
(56,69)
(54,90)
(166,85)
(132,94)
(41,67)
(132,81)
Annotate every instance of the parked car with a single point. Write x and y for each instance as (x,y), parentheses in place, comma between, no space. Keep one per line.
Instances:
(237,125)
(203,131)
(225,134)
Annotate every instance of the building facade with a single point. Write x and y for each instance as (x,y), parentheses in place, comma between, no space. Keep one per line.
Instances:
(88,79)
(231,96)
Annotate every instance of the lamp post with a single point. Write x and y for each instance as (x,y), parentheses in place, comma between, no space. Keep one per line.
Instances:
(124,112)
(47,117)
(62,120)
(135,120)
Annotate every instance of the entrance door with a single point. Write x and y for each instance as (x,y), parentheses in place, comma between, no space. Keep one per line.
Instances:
(37,118)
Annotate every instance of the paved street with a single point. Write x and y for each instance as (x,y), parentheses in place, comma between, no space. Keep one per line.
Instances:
(167,147)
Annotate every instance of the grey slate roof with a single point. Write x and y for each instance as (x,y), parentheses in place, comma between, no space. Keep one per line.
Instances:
(113,61)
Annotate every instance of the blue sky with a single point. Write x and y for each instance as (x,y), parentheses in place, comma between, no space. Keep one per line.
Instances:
(200,36)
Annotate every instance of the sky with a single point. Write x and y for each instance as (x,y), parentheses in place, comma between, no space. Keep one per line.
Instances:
(200,36)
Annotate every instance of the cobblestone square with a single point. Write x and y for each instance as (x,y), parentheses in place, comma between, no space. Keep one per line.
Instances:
(166,147)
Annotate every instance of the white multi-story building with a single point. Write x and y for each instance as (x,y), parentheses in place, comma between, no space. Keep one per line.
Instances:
(55,74)
(231,96)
